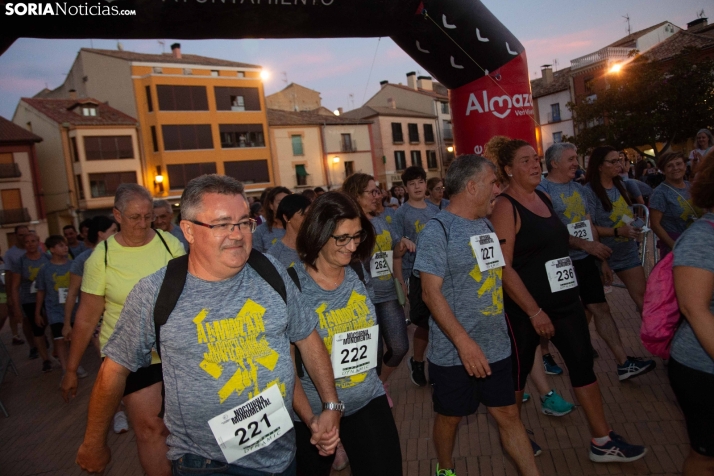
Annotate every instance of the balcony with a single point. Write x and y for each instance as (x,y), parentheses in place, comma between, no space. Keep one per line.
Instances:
(553,118)
(448,134)
(10,171)
(14,215)
(605,54)
(348,146)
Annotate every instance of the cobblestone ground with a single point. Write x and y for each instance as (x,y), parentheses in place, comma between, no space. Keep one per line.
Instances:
(42,433)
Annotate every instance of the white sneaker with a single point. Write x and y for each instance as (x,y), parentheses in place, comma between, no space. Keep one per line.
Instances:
(121,425)
(81,373)
(341,460)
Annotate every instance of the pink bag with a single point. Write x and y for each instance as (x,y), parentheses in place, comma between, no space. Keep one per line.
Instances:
(660,312)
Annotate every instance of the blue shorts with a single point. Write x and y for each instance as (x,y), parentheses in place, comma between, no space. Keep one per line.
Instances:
(456,393)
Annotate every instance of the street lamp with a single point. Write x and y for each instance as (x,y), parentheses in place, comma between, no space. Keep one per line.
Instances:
(450,148)
(616,68)
(264,75)
(335,160)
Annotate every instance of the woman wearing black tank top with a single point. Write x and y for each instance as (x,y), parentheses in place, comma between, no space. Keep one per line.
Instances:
(542,298)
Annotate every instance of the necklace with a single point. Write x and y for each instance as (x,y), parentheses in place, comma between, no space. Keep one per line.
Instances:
(332,284)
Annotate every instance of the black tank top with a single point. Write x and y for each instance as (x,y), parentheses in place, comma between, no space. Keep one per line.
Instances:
(538,241)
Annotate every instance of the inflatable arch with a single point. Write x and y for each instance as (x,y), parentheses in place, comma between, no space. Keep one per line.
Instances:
(459,42)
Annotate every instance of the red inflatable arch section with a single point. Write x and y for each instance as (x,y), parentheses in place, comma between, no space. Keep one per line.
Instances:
(459,42)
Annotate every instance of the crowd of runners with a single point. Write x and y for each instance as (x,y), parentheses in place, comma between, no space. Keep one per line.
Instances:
(258,337)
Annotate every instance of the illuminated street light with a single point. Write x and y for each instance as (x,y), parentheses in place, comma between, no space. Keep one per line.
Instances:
(450,148)
(616,68)
(336,160)
(264,75)
(336,112)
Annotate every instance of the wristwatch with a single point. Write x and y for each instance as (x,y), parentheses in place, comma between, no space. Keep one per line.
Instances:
(338,406)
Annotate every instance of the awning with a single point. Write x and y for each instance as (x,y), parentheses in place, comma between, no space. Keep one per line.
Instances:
(300,170)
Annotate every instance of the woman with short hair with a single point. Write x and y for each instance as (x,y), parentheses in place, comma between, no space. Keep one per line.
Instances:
(268,233)
(335,238)
(691,366)
(291,212)
(435,193)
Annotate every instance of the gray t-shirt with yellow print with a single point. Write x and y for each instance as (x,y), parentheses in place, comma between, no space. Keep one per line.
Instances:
(288,257)
(386,240)
(570,202)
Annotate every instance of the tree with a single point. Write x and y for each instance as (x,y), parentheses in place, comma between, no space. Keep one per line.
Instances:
(648,103)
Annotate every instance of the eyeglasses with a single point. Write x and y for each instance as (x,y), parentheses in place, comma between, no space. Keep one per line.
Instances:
(343,240)
(224,229)
(375,193)
(137,218)
(438,189)
(613,162)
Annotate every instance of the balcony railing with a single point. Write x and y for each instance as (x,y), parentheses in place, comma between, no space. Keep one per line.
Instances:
(10,171)
(14,215)
(553,118)
(350,146)
(607,53)
(448,134)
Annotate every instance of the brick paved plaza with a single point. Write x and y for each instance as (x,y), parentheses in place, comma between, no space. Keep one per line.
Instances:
(42,434)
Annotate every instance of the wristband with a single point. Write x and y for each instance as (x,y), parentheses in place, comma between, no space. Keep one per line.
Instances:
(534,315)
(616,234)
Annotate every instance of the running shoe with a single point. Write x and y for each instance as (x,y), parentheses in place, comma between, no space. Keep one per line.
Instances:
(121,425)
(617,450)
(551,368)
(17,340)
(46,366)
(554,405)
(634,366)
(536,448)
(81,373)
(34,353)
(444,472)
(526,397)
(341,460)
(416,372)
(386,392)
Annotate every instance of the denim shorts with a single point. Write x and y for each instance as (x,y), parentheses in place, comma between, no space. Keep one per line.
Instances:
(194,465)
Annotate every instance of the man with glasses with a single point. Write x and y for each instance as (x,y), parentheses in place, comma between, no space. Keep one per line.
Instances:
(225,346)
(11,259)
(162,220)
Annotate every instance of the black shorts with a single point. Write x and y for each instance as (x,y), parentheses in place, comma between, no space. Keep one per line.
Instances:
(29,310)
(589,282)
(693,389)
(572,338)
(456,393)
(57,330)
(142,378)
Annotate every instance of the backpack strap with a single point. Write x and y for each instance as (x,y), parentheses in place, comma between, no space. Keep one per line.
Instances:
(359,270)
(169,294)
(106,252)
(158,233)
(299,367)
(265,268)
(293,275)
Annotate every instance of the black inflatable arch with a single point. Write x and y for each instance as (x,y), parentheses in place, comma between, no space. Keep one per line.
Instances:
(459,42)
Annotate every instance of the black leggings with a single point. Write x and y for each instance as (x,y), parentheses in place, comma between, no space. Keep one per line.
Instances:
(572,338)
(393,329)
(370,439)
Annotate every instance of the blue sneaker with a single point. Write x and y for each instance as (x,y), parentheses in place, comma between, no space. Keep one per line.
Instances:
(634,366)
(551,368)
(553,404)
(526,397)
(536,448)
(617,450)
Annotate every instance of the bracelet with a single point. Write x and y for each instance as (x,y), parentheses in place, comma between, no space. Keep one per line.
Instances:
(616,234)
(534,315)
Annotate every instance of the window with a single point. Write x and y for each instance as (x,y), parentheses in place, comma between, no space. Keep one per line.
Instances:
(397,136)
(555,113)
(214,72)
(182,98)
(589,84)
(346,143)
(301,175)
(428,133)
(237,103)
(413,133)
(241,135)
(248,171)
(349,168)
(158,70)
(240,74)
(154,140)
(90,111)
(225,98)
(80,188)
(75,153)
(149,102)
(105,185)
(446,127)
(557,137)
(416,157)
(431,162)
(297,144)
(444,107)
(187,71)
(400,160)
(181,174)
(108,147)
(187,137)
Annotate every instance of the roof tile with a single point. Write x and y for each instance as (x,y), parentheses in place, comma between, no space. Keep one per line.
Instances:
(169,58)
(11,132)
(561,82)
(277,117)
(60,110)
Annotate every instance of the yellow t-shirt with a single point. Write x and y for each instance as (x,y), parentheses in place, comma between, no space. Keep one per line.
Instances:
(125,267)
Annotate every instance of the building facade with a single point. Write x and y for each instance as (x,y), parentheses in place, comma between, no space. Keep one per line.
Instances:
(294,97)
(88,149)
(551,94)
(21,198)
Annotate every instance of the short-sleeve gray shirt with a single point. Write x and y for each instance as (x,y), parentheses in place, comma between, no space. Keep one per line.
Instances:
(694,249)
(264,239)
(409,222)
(386,240)
(570,202)
(178,233)
(224,343)
(287,256)
(78,263)
(475,297)
(678,211)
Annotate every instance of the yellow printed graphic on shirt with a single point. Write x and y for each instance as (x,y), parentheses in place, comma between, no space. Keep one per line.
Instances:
(388,219)
(574,207)
(689,211)
(489,285)
(237,344)
(60,280)
(419,226)
(354,316)
(620,208)
(275,240)
(33,272)
(383,243)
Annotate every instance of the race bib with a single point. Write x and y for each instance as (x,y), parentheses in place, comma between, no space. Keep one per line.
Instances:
(251,426)
(381,263)
(488,251)
(354,352)
(581,229)
(33,288)
(62,295)
(561,274)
